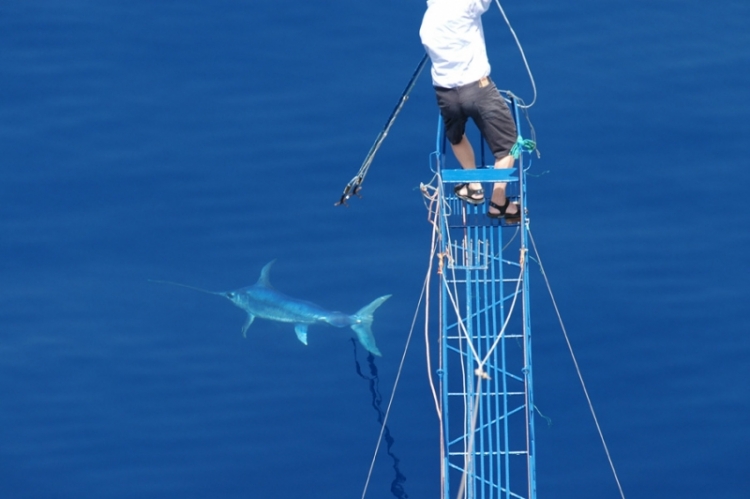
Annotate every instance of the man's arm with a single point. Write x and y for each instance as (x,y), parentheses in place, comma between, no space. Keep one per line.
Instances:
(482,6)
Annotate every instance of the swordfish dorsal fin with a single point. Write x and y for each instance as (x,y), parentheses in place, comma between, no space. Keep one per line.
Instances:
(264,279)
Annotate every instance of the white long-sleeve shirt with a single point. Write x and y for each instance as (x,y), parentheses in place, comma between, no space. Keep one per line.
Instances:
(452,34)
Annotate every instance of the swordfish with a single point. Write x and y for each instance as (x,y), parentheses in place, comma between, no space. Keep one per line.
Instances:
(263,301)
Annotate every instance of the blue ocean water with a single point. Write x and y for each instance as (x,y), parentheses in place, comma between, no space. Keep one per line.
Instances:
(195,141)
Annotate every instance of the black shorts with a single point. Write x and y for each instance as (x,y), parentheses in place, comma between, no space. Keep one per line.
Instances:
(486,107)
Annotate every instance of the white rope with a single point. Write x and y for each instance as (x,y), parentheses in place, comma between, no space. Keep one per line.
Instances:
(424,295)
(478,395)
(395,384)
(523,56)
(433,194)
(437,201)
(470,446)
(433,220)
(578,369)
(452,296)
(426,290)
(442,203)
(460,323)
(507,319)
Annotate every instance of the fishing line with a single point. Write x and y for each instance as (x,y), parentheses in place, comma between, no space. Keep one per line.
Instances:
(187,286)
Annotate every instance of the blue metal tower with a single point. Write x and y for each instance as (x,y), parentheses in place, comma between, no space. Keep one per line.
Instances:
(485,373)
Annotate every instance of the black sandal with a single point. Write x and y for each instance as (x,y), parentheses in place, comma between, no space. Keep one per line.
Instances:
(502,212)
(472,196)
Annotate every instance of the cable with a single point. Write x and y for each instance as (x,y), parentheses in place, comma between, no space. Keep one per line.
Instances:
(395,383)
(523,56)
(438,207)
(578,369)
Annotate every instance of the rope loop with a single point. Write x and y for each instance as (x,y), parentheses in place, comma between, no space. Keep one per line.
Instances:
(522,145)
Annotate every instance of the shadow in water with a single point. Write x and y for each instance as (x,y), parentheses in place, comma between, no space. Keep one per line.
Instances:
(397,485)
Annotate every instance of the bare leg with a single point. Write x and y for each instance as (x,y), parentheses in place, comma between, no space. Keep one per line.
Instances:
(465,156)
(498,190)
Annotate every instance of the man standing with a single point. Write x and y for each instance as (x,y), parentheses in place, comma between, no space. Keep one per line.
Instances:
(452,34)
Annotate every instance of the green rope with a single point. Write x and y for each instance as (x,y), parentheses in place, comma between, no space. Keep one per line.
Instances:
(522,145)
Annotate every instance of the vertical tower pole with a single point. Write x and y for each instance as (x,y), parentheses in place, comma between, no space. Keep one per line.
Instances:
(485,371)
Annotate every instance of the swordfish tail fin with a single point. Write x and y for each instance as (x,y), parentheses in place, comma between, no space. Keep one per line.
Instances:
(363,321)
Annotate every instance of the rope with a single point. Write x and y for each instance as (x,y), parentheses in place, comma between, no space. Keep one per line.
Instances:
(507,319)
(426,290)
(452,295)
(522,145)
(438,206)
(398,377)
(437,201)
(523,56)
(470,445)
(433,195)
(578,369)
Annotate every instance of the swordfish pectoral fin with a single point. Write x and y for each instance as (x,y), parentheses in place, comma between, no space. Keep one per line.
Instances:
(301,330)
(250,319)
